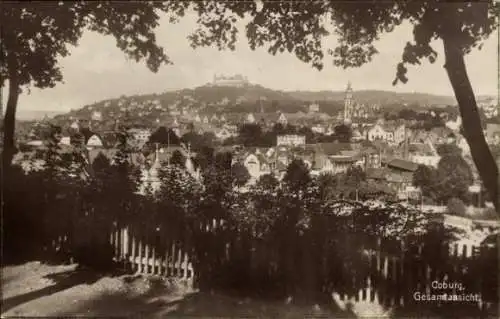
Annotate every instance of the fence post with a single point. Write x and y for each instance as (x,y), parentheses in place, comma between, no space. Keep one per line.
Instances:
(139,253)
(146,255)
(133,253)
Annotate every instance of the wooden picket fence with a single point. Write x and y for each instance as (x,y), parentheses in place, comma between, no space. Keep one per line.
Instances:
(393,280)
(390,281)
(166,257)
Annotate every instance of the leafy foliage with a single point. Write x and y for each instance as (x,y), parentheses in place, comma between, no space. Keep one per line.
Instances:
(455,177)
(164,137)
(426,178)
(178,159)
(343,133)
(240,174)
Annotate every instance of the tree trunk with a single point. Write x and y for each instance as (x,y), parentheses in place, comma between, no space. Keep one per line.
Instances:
(473,131)
(10,121)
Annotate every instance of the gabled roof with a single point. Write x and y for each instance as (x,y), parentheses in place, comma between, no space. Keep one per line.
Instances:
(403,164)
(344,159)
(334,148)
(376,173)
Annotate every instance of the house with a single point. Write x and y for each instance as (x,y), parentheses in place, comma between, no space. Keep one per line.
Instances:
(320,129)
(140,135)
(291,140)
(250,119)
(96,116)
(94,142)
(400,173)
(257,165)
(400,134)
(454,125)
(65,140)
(75,125)
(282,119)
(371,158)
(331,130)
(335,148)
(492,133)
(313,107)
(223,134)
(356,135)
(376,132)
(321,166)
(197,118)
(428,160)
(423,154)
(462,143)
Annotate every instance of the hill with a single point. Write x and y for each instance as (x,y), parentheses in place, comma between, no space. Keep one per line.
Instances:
(246,98)
(377,97)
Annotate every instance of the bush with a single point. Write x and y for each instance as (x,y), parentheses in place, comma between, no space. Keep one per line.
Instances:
(456,207)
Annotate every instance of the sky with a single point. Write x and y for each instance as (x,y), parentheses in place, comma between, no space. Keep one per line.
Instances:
(98,70)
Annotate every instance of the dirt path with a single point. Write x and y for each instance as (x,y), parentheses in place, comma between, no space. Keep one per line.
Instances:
(34,289)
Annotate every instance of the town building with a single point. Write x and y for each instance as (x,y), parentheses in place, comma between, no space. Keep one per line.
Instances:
(348,103)
(313,107)
(291,140)
(237,80)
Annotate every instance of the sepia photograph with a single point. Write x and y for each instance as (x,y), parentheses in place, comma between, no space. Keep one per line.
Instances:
(250,159)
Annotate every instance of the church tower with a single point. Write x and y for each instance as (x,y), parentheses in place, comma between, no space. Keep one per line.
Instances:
(348,103)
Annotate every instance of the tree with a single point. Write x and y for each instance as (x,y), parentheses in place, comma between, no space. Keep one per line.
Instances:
(297,176)
(300,28)
(178,159)
(164,137)
(240,174)
(198,141)
(223,160)
(426,179)
(456,207)
(38,34)
(250,134)
(448,150)
(343,133)
(454,177)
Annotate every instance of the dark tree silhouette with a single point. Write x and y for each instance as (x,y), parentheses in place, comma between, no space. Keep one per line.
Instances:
(448,150)
(454,178)
(299,28)
(198,141)
(164,137)
(250,134)
(426,179)
(297,176)
(178,159)
(240,174)
(343,133)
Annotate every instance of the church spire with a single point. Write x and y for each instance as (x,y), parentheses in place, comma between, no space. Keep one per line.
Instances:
(348,104)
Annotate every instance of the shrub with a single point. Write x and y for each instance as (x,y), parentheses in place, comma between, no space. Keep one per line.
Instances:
(456,207)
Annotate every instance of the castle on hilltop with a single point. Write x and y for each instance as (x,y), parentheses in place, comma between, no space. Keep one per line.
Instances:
(237,80)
